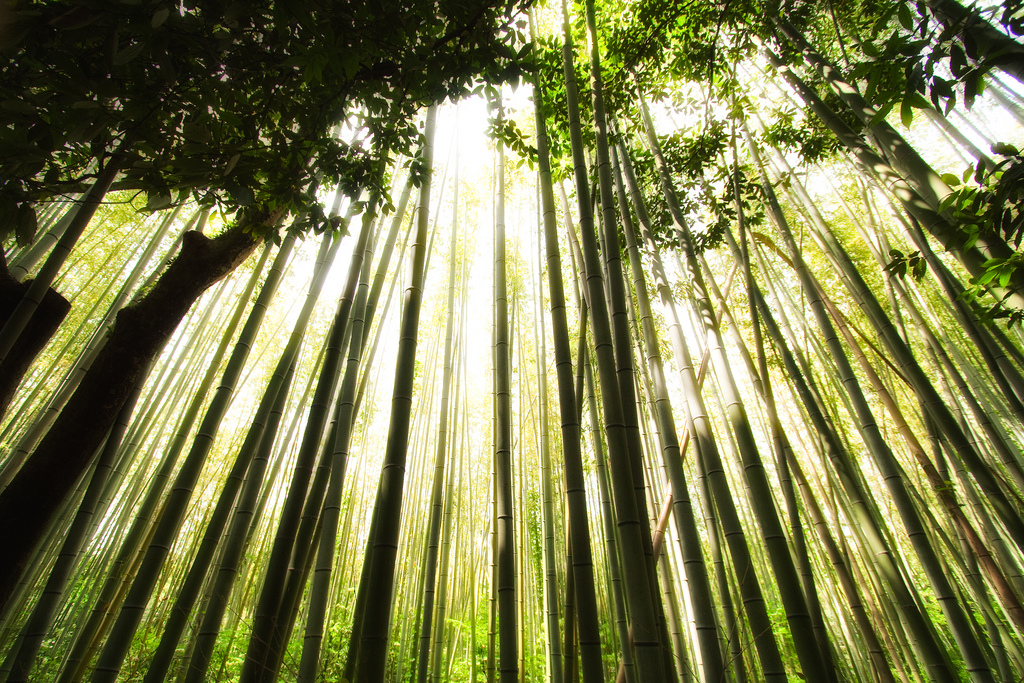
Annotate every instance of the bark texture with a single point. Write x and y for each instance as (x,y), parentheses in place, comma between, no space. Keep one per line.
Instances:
(140,332)
(40,328)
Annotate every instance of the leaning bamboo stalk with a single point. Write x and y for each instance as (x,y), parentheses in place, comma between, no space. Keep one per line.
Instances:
(640,594)
(908,195)
(708,449)
(582,572)
(265,643)
(611,261)
(339,445)
(877,445)
(49,411)
(23,655)
(133,540)
(698,581)
(169,526)
(446,535)
(382,548)
(19,318)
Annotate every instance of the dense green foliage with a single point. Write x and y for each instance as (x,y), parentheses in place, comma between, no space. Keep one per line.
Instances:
(732,390)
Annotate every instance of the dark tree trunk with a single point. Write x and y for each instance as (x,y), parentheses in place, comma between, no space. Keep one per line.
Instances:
(140,332)
(44,322)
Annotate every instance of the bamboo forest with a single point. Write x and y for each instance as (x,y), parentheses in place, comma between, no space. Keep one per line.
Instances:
(635,341)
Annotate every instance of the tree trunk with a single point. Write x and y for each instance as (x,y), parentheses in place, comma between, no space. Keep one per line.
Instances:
(34,295)
(28,504)
(45,320)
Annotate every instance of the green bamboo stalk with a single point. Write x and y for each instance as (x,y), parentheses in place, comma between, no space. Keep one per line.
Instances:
(382,547)
(640,594)
(1003,51)
(174,508)
(551,629)
(505,575)
(585,601)
(344,416)
(22,656)
(266,641)
(698,582)
(20,316)
(771,660)
(930,651)
(134,539)
(441,451)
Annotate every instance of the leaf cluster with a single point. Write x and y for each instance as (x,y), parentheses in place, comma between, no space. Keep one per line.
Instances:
(751,198)
(994,202)
(991,202)
(913,57)
(902,264)
(808,137)
(234,103)
(547,63)
(513,137)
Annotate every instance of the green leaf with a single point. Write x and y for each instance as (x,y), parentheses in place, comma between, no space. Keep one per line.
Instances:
(158,201)
(28,224)
(881,114)
(907,112)
(919,101)
(129,53)
(231,164)
(8,216)
(920,268)
(905,17)
(881,22)
(196,132)
(950,179)
(18,106)
(159,17)
(1004,277)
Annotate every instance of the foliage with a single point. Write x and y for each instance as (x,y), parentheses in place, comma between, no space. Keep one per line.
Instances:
(991,202)
(994,201)
(547,62)
(902,264)
(912,58)
(512,137)
(235,103)
(807,136)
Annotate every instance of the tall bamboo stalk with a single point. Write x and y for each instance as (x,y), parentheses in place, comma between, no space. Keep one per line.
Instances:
(382,547)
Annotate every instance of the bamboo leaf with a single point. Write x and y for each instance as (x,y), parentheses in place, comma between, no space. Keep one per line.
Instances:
(129,53)
(905,17)
(907,112)
(27,225)
(159,17)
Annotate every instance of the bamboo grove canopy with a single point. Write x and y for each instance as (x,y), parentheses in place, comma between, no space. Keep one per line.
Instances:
(476,341)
